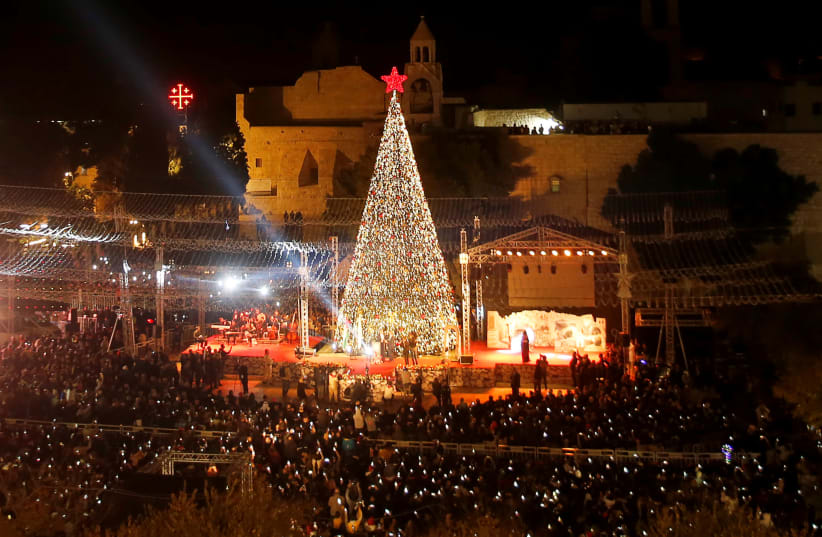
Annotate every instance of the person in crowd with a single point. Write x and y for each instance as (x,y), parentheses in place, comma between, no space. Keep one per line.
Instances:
(243,374)
(285,382)
(526,348)
(538,376)
(515,383)
(333,387)
(412,346)
(301,385)
(574,365)
(416,391)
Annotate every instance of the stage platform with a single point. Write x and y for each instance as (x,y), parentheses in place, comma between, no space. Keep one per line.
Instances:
(490,366)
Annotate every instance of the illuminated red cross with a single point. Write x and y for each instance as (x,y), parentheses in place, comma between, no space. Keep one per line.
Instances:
(180,97)
(394,81)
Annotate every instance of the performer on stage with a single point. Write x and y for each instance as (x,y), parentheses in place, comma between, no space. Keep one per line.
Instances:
(200,338)
(384,343)
(526,348)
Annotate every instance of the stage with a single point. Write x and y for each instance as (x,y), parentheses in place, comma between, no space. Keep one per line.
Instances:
(490,366)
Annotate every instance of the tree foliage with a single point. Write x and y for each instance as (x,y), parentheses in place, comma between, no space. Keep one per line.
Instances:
(791,366)
(212,155)
(353,180)
(474,163)
(34,153)
(213,162)
(670,164)
(716,521)
(761,196)
(221,514)
(485,163)
(231,513)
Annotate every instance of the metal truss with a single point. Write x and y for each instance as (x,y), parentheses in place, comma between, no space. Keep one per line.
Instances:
(538,239)
(242,461)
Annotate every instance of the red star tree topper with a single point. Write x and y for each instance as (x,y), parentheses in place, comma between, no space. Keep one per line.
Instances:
(394,81)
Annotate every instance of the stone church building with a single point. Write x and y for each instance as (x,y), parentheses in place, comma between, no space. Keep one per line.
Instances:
(299,137)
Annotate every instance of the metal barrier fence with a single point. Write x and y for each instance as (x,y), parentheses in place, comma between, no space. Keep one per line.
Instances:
(503,450)
(108,428)
(425,446)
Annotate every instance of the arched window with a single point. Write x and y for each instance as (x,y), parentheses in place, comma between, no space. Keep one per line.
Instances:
(417,54)
(422,100)
(425,56)
(556,182)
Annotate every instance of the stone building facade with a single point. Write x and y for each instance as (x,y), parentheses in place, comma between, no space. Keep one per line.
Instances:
(298,138)
(572,174)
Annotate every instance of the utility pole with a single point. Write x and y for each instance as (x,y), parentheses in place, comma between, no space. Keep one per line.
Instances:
(303,301)
(335,280)
(466,293)
(670,308)
(125,312)
(160,341)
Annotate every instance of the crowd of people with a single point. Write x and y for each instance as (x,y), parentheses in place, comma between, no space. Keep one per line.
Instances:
(336,456)
(520,130)
(614,126)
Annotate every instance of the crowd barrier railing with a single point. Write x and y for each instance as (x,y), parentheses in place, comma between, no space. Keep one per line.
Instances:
(533,452)
(103,427)
(425,446)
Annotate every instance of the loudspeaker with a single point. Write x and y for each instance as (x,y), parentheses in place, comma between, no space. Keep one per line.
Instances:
(466,359)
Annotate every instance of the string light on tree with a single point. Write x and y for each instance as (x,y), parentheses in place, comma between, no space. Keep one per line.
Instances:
(398,279)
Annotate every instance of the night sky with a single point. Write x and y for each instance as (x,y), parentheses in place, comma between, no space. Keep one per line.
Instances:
(85,59)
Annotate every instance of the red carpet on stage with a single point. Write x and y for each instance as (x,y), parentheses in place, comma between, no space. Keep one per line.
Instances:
(483,356)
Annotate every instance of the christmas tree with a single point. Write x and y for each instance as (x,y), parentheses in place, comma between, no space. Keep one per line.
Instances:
(397,280)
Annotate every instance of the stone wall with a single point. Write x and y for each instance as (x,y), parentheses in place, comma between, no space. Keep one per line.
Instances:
(326,96)
(277,155)
(585,165)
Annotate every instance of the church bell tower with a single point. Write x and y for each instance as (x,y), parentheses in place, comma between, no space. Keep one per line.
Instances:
(423,94)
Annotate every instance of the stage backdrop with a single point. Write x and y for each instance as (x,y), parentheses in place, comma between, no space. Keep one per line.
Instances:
(569,283)
(562,331)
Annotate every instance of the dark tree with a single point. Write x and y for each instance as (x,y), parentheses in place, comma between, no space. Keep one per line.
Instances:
(761,196)
(670,164)
(146,168)
(452,163)
(353,180)
(34,153)
(231,149)
(212,155)
(475,163)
